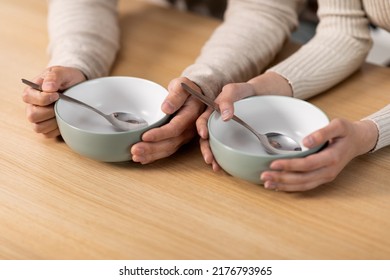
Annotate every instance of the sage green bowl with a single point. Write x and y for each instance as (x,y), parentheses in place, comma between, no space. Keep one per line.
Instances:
(89,134)
(240,153)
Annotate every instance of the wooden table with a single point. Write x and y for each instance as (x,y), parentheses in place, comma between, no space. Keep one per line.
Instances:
(55,204)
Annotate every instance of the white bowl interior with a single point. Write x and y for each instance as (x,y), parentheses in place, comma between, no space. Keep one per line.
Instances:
(112,94)
(290,116)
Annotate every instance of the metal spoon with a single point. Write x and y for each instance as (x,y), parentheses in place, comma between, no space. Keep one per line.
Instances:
(121,120)
(274,143)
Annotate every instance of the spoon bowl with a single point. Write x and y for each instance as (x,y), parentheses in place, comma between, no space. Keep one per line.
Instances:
(121,120)
(273,142)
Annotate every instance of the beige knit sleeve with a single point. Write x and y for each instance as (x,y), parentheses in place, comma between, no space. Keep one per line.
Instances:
(83,34)
(379,11)
(339,48)
(252,33)
(382,121)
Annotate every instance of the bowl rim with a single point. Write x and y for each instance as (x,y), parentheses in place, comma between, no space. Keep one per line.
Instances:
(265,155)
(151,125)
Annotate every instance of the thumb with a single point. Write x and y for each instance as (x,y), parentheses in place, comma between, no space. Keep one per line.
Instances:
(231,93)
(52,80)
(335,129)
(227,110)
(60,77)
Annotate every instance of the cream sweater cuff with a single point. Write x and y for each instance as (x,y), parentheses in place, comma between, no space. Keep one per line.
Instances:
(381,119)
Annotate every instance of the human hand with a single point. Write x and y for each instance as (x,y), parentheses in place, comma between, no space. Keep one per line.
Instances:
(225,100)
(346,141)
(267,83)
(163,141)
(40,105)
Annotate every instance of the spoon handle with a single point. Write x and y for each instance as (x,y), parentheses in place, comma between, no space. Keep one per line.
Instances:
(36,86)
(263,139)
(65,97)
(207,100)
(71,99)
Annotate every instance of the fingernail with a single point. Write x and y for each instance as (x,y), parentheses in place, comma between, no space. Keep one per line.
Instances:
(53,97)
(308,141)
(207,159)
(265,178)
(139,151)
(167,107)
(270,185)
(138,159)
(215,166)
(276,166)
(225,114)
(148,136)
(202,133)
(48,86)
(136,152)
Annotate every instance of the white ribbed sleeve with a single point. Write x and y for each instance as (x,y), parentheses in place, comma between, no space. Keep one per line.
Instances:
(339,48)
(382,121)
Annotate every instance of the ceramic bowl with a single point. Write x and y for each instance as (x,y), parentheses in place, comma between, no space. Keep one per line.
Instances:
(240,153)
(89,134)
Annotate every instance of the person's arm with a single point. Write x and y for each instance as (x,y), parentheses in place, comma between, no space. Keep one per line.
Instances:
(339,48)
(252,33)
(382,121)
(84,38)
(84,34)
(323,67)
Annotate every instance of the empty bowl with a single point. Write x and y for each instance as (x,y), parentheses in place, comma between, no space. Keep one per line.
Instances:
(89,134)
(240,153)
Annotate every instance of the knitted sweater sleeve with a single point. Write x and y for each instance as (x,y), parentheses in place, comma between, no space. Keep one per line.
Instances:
(382,121)
(339,48)
(83,34)
(379,11)
(252,33)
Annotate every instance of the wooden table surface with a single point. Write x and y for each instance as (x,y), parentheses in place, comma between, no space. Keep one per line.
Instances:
(55,204)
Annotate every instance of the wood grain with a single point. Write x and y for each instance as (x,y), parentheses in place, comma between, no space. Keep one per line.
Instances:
(55,204)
